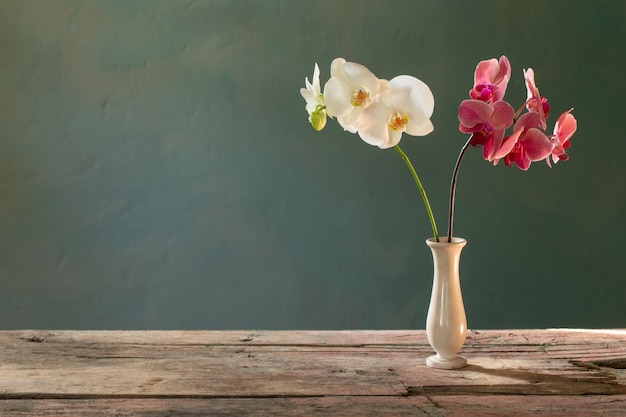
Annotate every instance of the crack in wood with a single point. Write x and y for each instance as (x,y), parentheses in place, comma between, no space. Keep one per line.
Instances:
(33,338)
(539,388)
(49,396)
(617,363)
(598,364)
(586,365)
(434,402)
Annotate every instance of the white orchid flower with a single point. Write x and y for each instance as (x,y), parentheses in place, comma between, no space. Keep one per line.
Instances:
(314,100)
(350,89)
(406,105)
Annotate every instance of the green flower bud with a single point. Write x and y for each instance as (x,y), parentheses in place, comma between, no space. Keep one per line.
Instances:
(318,119)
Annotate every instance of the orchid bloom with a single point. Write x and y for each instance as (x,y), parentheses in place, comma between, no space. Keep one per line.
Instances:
(350,89)
(564,128)
(490,79)
(531,144)
(534,101)
(405,106)
(487,124)
(314,100)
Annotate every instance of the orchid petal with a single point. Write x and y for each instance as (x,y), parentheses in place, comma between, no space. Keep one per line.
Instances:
(503,114)
(555,159)
(473,129)
(474,112)
(372,125)
(420,95)
(352,117)
(315,86)
(335,68)
(523,163)
(528,121)
(502,79)
(493,143)
(533,97)
(505,70)
(565,126)
(308,95)
(360,76)
(337,97)
(393,139)
(507,145)
(529,79)
(488,148)
(419,125)
(486,71)
(536,145)
(344,122)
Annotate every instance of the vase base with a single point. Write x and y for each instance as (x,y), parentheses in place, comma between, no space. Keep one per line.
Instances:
(438,362)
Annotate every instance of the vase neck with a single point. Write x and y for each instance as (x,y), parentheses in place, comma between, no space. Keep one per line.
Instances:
(456,242)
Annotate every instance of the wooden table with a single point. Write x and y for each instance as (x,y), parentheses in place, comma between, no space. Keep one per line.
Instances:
(306,373)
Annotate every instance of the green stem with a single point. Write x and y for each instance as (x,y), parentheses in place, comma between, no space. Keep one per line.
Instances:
(422,191)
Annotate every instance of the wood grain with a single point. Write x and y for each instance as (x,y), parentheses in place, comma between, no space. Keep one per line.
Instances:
(141,373)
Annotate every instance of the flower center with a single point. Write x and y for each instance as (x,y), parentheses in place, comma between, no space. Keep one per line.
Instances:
(360,98)
(534,103)
(483,92)
(398,121)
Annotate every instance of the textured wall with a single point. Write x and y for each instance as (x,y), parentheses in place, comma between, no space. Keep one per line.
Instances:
(157,169)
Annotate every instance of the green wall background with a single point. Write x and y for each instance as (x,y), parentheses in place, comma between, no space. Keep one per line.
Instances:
(157,169)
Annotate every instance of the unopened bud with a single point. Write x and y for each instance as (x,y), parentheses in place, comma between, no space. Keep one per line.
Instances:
(318,119)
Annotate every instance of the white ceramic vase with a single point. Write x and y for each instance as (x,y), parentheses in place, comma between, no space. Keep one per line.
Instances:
(446,324)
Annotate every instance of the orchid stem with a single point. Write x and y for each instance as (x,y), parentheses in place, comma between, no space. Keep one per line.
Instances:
(422,192)
(453,187)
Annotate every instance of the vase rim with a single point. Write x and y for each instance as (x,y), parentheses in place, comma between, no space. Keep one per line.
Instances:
(443,240)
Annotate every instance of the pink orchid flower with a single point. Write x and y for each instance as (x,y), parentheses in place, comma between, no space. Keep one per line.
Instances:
(487,124)
(490,79)
(532,144)
(564,128)
(534,101)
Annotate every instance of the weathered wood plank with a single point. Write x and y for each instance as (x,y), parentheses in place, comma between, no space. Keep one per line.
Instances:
(229,337)
(158,362)
(555,343)
(314,337)
(504,340)
(376,370)
(449,406)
